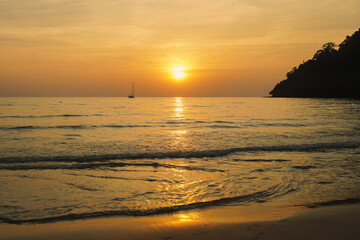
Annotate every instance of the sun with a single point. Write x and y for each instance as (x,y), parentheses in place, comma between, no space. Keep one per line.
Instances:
(178,72)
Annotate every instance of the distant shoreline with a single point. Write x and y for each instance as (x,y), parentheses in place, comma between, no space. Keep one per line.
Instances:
(345,98)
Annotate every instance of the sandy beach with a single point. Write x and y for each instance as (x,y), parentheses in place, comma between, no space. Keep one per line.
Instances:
(331,222)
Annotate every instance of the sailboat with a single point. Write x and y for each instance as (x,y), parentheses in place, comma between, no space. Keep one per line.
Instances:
(132,92)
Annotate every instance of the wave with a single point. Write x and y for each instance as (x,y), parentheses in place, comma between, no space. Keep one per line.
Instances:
(260,196)
(10,207)
(194,125)
(82,187)
(261,160)
(197,121)
(183,154)
(51,116)
(334,202)
(100,165)
(223,126)
(82,126)
(46,127)
(124,126)
(123,178)
(285,125)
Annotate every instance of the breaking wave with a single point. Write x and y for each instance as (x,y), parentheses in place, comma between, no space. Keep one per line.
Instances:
(184,154)
(259,196)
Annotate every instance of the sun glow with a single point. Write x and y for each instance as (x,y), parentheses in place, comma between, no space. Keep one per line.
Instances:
(178,72)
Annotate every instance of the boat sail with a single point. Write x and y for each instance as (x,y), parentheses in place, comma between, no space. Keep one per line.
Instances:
(132,91)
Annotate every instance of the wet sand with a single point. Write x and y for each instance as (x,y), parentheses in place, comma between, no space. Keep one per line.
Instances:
(258,222)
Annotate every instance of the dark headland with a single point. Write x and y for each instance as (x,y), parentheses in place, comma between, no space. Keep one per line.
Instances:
(333,72)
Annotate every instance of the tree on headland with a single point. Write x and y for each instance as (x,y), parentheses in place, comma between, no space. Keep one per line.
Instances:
(326,50)
(334,71)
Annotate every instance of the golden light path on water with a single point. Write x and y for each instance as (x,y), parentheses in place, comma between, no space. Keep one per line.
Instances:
(184,178)
(179,135)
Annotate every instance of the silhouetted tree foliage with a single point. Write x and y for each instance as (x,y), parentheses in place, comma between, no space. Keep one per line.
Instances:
(334,71)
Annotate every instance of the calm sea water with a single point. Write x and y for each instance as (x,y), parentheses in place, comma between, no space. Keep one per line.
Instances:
(77,158)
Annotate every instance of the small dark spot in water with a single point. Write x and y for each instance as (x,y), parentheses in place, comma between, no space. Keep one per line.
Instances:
(325,183)
(72,135)
(155,165)
(303,167)
(119,199)
(150,180)
(250,178)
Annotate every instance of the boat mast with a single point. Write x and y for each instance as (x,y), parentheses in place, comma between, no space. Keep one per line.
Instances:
(133,89)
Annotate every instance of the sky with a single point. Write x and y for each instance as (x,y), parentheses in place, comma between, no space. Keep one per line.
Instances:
(222,48)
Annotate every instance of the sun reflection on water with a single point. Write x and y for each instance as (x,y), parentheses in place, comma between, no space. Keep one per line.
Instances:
(179,142)
(179,109)
(187,217)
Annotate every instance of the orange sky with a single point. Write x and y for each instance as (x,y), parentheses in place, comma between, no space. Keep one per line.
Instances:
(98,47)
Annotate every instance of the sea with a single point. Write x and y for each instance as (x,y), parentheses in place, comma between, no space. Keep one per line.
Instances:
(79,158)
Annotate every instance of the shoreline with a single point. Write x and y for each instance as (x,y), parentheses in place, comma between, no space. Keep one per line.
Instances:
(260,221)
